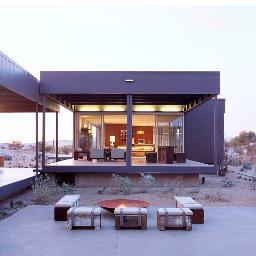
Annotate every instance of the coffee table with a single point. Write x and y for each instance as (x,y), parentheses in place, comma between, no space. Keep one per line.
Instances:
(110,205)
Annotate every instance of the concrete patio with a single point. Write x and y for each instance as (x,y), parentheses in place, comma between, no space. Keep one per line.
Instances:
(32,231)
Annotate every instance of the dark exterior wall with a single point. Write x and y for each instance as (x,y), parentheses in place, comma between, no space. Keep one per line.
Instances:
(83,82)
(219,114)
(21,88)
(15,78)
(204,132)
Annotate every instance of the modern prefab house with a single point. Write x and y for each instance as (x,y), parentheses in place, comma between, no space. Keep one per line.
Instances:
(128,122)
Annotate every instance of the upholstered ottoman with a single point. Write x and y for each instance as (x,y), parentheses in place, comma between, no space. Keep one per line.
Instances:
(89,217)
(63,205)
(175,218)
(198,212)
(194,206)
(130,217)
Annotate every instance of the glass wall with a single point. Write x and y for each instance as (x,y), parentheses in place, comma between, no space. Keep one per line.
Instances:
(170,131)
(90,132)
(101,131)
(107,131)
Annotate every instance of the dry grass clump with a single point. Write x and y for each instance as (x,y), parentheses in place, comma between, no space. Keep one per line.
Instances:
(177,186)
(124,183)
(215,196)
(45,188)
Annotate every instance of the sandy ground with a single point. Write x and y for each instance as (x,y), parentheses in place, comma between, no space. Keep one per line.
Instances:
(23,158)
(212,193)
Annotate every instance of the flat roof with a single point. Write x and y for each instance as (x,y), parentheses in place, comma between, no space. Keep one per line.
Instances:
(19,90)
(130,82)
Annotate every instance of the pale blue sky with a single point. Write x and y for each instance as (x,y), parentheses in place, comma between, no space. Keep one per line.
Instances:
(134,38)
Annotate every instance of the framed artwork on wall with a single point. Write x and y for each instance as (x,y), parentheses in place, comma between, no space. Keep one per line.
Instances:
(123,135)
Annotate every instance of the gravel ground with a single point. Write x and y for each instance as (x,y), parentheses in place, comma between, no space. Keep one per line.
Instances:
(238,192)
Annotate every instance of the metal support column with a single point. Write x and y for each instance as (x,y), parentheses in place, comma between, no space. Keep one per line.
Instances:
(129,131)
(36,139)
(74,134)
(43,129)
(214,132)
(57,137)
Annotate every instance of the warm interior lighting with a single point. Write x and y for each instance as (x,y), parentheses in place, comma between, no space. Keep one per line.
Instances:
(140,132)
(112,140)
(122,205)
(159,108)
(101,108)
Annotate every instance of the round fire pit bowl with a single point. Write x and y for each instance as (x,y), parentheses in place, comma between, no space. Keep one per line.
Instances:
(110,205)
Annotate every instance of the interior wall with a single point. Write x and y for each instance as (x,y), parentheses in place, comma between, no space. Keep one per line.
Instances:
(115,130)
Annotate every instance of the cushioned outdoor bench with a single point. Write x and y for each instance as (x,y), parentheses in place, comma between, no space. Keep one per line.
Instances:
(89,217)
(63,205)
(175,218)
(130,217)
(194,206)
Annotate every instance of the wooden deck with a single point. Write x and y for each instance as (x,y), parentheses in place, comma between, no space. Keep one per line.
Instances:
(13,180)
(119,166)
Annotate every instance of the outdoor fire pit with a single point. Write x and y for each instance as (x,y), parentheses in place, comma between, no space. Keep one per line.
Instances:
(110,205)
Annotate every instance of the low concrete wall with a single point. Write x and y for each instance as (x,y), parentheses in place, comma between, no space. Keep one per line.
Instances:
(15,187)
(105,179)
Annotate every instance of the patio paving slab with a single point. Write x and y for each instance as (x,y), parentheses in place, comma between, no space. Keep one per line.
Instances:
(32,231)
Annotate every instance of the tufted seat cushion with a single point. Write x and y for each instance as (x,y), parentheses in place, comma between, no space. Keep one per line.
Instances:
(131,210)
(64,204)
(68,201)
(185,200)
(193,206)
(174,211)
(85,211)
(69,198)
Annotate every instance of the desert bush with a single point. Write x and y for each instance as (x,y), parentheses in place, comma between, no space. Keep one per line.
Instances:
(67,149)
(43,188)
(247,166)
(177,187)
(147,181)
(124,183)
(103,190)
(215,196)
(233,160)
(66,188)
(15,145)
(227,183)
(244,138)
(254,182)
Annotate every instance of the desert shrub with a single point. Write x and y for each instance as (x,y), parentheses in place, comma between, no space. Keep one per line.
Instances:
(176,186)
(254,182)
(227,183)
(15,145)
(247,166)
(244,138)
(215,196)
(233,160)
(147,181)
(124,183)
(43,188)
(66,188)
(103,190)
(67,149)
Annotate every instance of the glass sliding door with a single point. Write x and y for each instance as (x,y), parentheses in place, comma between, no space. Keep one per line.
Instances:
(170,131)
(90,132)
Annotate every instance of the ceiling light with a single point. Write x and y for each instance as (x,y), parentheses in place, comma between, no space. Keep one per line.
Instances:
(129,80)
